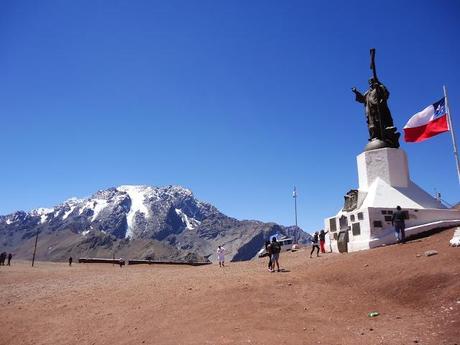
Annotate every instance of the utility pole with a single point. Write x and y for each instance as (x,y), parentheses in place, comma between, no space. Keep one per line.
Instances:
(294,195)
(35,249)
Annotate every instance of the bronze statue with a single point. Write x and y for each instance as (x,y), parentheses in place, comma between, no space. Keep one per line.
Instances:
(382,132)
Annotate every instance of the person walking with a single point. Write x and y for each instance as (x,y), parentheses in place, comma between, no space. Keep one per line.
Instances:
(314,242)
(221,256)
(9,259)
(70,261)
(397,220)
(322,240)
(276,249)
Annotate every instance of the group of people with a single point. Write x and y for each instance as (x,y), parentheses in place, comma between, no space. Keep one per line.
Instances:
(3,257)
(318,237)
(273,250)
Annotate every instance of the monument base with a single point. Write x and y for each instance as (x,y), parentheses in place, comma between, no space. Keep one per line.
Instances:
(375,144)
(384,183)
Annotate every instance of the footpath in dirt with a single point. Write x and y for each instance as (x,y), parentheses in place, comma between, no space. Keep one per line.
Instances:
(323,300)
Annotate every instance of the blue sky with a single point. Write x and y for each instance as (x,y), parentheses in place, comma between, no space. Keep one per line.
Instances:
(237,100)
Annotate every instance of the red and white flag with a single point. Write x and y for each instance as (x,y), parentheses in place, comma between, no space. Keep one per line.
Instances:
(426,124)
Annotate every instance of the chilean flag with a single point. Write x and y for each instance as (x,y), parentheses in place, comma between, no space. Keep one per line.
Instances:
(426,124)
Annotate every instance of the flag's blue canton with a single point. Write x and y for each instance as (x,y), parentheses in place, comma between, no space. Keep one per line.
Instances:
(439,108)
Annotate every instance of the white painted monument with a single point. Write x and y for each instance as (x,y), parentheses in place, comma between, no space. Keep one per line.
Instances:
(384,183)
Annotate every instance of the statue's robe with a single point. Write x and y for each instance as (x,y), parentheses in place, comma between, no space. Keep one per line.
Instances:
(378,114)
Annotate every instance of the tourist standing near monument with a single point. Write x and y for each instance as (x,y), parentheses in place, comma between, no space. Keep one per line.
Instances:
(314,242)
(322,240)
(398,222)
(221,256)
(268,249)
(276,249)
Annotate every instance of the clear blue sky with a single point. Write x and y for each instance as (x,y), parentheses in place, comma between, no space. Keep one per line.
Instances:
(236,100)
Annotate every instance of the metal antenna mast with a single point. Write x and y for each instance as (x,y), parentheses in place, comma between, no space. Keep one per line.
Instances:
(294,195)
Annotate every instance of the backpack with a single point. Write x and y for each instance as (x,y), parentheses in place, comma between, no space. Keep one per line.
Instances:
(276,247)
(269,249)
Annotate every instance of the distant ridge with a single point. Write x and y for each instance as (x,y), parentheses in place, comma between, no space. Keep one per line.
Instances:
(138,222)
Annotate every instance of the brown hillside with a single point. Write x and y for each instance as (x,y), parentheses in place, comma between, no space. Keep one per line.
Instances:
(315,301)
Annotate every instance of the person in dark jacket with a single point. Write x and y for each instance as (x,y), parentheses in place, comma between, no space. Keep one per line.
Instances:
(9,259)
(268,249)
(314,242)
(276,250)
(322,240)
(398,221)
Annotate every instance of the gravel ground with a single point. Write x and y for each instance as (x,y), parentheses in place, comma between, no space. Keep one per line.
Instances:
(323,300)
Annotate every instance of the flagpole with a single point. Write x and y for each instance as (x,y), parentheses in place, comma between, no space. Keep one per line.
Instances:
(452,133)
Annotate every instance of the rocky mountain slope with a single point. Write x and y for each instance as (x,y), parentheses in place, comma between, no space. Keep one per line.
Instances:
(136,222)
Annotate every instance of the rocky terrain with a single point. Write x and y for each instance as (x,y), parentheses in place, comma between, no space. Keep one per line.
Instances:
(162,223)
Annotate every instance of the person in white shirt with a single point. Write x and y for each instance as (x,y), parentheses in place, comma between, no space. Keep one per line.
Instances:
(221,256)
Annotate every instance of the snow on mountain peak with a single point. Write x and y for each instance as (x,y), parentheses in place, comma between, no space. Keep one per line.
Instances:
(73,200)
(99,205)
(190,223)
(137,195)
(41,210)
(43,213)
(177,190)
(66,214)
(128,211)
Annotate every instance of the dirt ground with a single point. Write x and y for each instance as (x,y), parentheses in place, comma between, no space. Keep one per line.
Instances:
(323,300)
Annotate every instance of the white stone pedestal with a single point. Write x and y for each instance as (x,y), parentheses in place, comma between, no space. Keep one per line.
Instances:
(384,183)
(390,165)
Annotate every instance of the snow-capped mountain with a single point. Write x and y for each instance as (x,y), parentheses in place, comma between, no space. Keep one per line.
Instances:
(136,221)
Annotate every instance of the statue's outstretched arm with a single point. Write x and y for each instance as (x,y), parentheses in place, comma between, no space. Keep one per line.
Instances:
(359,96)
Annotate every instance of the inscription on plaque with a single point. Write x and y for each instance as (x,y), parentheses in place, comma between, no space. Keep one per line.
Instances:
(356,229)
